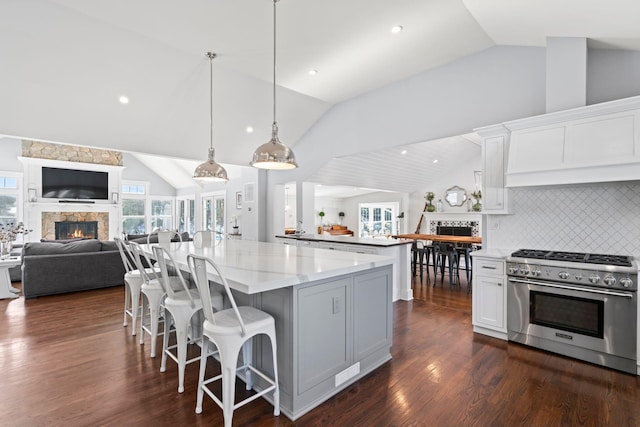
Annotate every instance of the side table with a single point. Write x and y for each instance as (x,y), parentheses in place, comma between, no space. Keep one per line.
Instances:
(6,290)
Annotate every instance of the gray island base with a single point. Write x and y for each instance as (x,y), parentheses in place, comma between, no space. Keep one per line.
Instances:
(330,333)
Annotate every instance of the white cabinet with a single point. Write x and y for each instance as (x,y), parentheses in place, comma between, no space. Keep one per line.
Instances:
(495,195)
(489,296)
(495,148)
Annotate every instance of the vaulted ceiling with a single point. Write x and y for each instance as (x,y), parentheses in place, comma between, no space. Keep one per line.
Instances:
(64,63)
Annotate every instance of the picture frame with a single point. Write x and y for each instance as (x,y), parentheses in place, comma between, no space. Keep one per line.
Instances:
(238,199)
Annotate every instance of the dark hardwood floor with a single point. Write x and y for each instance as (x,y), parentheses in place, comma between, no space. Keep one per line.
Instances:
(67,360)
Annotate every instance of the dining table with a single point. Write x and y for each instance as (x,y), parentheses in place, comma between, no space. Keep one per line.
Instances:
(440,238)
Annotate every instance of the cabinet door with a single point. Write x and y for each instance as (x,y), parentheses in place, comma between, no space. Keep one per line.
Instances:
(372,313)
(324,335)
(493,196)
(489,296)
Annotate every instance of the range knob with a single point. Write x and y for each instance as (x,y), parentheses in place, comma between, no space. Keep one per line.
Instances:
(594,279)
(513,270)
(563,275)
(609,280)
(626,282)
(536,273)
(578,277)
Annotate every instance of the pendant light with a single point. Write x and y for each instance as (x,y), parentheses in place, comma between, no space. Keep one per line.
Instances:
(274,154)
(210,171)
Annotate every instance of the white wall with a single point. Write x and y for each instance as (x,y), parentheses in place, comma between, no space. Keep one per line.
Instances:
(136,171)
(612,74)
(10,149)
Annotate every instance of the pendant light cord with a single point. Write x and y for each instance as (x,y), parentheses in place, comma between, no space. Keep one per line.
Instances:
(274,63)
(211,56)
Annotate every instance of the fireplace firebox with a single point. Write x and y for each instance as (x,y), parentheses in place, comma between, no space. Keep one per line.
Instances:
(76,230)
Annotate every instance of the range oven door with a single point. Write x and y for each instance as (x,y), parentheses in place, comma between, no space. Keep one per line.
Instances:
(565,318)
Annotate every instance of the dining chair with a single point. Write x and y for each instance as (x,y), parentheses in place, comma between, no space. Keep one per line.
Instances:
(424,250)
(164,237)
(181,306)
(203,238)
(446,257)
(229,331)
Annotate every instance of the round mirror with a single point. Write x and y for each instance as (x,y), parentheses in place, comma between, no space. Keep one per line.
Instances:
(456,196)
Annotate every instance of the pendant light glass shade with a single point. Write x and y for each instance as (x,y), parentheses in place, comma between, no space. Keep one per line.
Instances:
(274,154)
(210,171)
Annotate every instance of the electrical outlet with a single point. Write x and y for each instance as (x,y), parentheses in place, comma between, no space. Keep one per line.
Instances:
(336,305)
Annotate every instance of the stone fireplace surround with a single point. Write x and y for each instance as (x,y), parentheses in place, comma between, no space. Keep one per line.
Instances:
(50,218)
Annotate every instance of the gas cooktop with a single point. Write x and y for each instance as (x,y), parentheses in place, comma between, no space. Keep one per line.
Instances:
(587,258)
(597,270)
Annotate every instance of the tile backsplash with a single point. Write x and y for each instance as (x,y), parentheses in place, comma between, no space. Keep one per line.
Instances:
(600,218)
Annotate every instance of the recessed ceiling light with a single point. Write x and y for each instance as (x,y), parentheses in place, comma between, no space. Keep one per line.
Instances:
(123,99)
(313,72)
(396,29)
(403,152)
(435,161)
(249,129)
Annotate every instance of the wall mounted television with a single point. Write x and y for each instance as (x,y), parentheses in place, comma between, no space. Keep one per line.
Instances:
(60,183)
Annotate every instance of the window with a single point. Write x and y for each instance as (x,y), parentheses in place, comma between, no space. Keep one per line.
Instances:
(186,216)
(9,198)
(139,189)
(134,207)
(213,213)
(378,219)
(133,216)
(161,214)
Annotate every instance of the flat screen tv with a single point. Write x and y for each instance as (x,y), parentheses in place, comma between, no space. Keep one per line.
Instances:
(74,184)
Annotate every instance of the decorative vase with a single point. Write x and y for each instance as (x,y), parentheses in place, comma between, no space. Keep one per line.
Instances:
(431,208)
(5,248)
(477,207)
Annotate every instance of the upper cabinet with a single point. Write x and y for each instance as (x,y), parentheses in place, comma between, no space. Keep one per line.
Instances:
(495,149)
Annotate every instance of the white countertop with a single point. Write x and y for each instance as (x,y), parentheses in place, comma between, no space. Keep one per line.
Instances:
(253,267)
(381,241)
(493,253)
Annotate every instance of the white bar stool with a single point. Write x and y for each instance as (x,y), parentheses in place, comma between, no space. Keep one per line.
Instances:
(229,330)
(152,294)
(132,284)
(180,305)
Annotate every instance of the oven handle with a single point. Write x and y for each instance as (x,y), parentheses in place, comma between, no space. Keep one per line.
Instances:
(572,288)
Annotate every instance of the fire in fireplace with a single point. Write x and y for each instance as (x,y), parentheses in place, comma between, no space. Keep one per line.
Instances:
(76,230)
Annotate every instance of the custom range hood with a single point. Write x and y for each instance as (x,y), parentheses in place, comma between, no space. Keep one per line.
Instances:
(596,143)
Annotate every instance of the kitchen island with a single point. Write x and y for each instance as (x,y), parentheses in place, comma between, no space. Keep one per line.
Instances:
(332,311)
(399,250)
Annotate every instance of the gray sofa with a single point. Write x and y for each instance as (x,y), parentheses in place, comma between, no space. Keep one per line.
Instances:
(50,268)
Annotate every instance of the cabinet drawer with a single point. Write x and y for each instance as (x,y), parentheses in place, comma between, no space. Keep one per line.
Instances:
(489,266)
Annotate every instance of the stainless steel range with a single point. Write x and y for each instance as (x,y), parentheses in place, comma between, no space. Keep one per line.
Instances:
(575,304)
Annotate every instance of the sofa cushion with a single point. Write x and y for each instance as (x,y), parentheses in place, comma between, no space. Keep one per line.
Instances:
(65,240)
(108,245)
(35,248)
(142,239)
